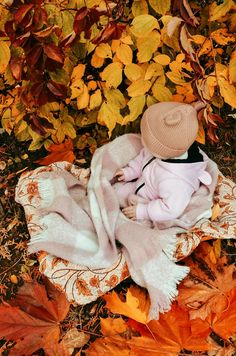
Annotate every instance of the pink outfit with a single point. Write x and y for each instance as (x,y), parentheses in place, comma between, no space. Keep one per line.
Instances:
(166,187)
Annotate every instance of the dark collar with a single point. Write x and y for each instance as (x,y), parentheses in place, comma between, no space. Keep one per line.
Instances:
(194,156)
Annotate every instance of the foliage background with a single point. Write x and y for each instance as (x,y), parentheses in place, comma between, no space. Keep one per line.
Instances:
(86,70)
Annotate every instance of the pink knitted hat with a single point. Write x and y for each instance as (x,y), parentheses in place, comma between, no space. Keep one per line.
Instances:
(168,129)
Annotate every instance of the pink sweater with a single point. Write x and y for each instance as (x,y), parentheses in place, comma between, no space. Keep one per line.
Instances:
(167,186)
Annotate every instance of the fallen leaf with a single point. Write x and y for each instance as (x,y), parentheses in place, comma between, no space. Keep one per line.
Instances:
(217,11)
(75,339)
(136,305)
(209,286)
(32,320)
(113,326)
(215,212)
(60,152)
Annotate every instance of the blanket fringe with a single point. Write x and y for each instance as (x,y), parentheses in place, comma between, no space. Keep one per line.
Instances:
(46,191)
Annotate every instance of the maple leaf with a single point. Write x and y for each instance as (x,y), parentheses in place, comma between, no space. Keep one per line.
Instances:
(167,336)
(136,305)
(33,320)
(61,152)
(209,286)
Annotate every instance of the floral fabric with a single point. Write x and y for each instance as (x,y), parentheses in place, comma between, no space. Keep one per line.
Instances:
(83,285)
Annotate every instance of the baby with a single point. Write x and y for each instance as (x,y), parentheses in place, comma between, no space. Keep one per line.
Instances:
(168,170)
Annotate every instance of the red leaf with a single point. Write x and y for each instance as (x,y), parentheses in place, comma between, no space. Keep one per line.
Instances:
(53,52)
(35,124)
(10,30)
(112,31)
(80,21)
(85,18)
(60,152)
(57,89)
(34,55)
(22,12)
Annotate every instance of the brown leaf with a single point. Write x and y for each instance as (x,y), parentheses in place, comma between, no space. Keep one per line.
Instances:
(74,339)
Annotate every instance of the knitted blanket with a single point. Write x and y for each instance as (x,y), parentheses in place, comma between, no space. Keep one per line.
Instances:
(83,223)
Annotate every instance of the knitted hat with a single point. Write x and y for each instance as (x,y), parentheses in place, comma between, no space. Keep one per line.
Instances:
(168,129)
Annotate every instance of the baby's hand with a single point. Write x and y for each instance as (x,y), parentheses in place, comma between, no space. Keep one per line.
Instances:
(120,175)
(130,212)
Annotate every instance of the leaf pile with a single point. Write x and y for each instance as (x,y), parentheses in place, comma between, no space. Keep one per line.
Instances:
(202,320)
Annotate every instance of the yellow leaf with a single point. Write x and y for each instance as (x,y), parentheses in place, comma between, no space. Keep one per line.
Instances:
(114,45)
(215,212)
(198,39)
(232,71)
(217,11)
(103,51)
(127,40)
(139,7)
(112,74)
(124,54)
(201,134)
(5,56)
(96,61)
(95,100)
(143,25)
(161,93)
(68,129)
(217,248)
(175,77)
(139,87)
(228,91)
(135,307)
(83,99)
(222,36)
(160,6)
(133,72)
(115,97)
(154,70)
(109,115)
(151,100)
(147,46)
(77,88)
(78,72)
(173,41)
(136,106)
(162,59)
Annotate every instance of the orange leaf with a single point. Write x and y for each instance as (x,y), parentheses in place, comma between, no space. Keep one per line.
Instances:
(110,326)
(60,152)
(223,325)
(135,307)
(32,320)
(167,336)
(209,286)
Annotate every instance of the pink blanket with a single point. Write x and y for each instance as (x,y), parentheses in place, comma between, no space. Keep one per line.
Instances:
(82,224)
